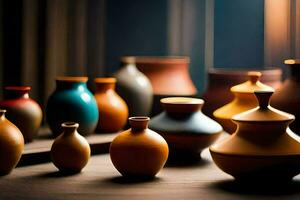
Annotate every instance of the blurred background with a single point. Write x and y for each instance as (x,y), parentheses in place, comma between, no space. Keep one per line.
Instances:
(41,39)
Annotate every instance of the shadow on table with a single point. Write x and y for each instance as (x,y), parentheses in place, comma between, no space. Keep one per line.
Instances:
(56,174)
(182,159)
(258,188)
(131,180)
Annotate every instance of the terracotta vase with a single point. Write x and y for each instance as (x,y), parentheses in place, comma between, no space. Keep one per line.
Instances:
(222,79)
(287,97)
(113,110)
(260,149)
(135,88)
(168,75)
(11,144)
(23,111)
(139,151)
(72,101)
(184,126)
(244,99)
(70,152)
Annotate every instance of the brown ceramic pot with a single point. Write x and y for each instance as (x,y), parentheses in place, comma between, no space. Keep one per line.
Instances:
(22,111)
(244,99)
(287,97)
(70,151)
(113,110)
(11,145)
(222,79)
(139,151)
(261,148)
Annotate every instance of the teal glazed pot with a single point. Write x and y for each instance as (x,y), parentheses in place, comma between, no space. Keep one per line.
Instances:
(23,111)
(185,128)
(72,101)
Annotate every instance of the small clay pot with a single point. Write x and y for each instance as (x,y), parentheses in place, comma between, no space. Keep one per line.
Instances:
(22,111)
(11,144)
(113,110)
(139,151)
(70,151)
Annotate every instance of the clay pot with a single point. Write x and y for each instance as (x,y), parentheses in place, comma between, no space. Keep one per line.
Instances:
(287,97)
(113,110)
(11,144)
(72,101)
(168,75)
(139,151)
(135,88)
(222,79)
(23,111)
(261,148)
(70,152)
(184,126)
(244,99)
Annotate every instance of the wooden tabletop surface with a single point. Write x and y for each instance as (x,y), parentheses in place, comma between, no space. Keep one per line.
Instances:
(100,180)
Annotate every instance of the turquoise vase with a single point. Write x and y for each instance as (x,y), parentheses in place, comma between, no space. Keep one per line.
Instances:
(72,101)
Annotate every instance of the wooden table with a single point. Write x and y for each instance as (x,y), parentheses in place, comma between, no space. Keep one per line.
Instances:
(100,180)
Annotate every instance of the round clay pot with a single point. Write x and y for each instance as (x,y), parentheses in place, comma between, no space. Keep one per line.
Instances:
(11,144)
(184,126)
(72,101)
(139,151)
(135,88)
(113,110)
(260,149)
(23,111)
(70,152)
(222,79)
(287,97)
(244,99)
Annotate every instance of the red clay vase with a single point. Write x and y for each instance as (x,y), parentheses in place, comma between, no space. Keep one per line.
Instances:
(22,111)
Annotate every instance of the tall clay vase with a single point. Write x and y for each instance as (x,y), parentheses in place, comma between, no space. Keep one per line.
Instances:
(11,145)
(135,88)
(220,81)
(168,75)
(70,152)
(112,108)
(139,151)
(72,101)
(287,97)
(23,111)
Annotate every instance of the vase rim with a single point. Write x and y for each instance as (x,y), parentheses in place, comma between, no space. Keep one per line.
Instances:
(105,80)
(18,88)
(292,61)
(181,100)
(154,59)
(75,79)
(139,118)
(70,125)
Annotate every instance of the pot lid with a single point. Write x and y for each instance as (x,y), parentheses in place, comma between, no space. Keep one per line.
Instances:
(264,112)
(253,84)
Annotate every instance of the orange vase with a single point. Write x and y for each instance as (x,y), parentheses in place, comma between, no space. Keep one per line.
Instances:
(113,110)
(139,151)
(11,145)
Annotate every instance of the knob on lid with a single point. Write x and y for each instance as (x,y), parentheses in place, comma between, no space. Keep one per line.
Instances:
(264,112)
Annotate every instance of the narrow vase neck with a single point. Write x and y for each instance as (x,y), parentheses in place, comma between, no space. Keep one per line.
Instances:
(295,72)
(16,92)
(66,85)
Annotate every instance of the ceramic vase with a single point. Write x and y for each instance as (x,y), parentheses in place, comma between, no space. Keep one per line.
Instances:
(260,149)
(287,97)
(113,110)
(244,99)
(11,144)
(22,111)
(139,151)
(72,101)
(70,152)
(135,88)
(185,128)
(220,81)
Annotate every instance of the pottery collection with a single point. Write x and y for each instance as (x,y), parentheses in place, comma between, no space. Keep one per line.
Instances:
(11,144)
(183,125)
(70,151)
(244,99)
(72,101)
(139,151)
(22,111)
(287,97)
(135,88)
(260,148)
